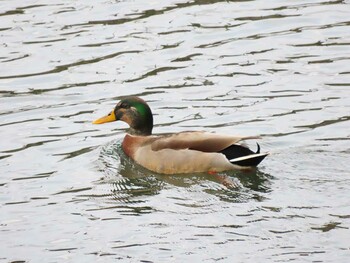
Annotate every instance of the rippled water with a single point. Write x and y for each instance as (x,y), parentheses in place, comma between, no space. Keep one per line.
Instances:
(275,68)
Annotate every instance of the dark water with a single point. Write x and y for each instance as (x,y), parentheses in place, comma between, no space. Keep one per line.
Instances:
(275,68)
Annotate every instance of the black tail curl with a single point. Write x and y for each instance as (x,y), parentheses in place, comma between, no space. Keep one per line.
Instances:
(243,156)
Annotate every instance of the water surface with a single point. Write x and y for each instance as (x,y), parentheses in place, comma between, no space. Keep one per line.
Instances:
(275,68)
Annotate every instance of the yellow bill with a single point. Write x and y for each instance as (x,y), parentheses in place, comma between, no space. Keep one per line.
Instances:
(108,118)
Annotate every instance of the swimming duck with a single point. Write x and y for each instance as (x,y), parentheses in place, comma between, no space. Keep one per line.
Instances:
(177,153)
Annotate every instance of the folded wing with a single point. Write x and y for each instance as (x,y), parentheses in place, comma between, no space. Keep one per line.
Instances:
(199,141)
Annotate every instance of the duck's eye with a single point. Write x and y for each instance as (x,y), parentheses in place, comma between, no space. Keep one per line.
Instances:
(124,105)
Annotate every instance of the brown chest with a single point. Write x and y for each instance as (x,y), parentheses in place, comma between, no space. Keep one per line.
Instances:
(128,146)
(132,143)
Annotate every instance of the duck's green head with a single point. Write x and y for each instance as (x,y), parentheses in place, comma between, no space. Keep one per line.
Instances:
(135,112)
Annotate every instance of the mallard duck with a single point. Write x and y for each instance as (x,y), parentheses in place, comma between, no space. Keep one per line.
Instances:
(178,153)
